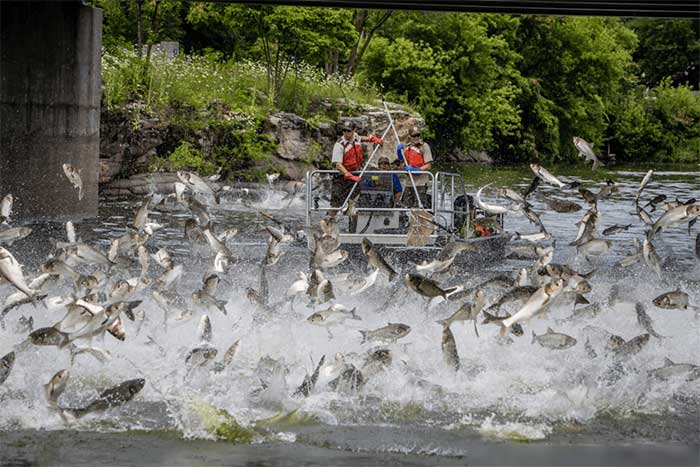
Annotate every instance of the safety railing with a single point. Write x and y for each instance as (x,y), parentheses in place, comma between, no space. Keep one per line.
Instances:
(311,207)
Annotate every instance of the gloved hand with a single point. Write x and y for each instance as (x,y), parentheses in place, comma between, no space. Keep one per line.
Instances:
(376,140)
(399,151)
(410,168)
(352,177)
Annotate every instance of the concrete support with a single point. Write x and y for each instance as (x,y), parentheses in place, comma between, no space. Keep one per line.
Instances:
(50,77)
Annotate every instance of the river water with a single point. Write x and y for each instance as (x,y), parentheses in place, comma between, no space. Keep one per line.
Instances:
(509,404)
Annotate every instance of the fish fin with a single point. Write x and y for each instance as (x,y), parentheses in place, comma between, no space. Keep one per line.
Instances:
(534,337)
(550,330)
(364,336)
(668,362)
(354,314)
(581,300)
(589,274)
(443,322)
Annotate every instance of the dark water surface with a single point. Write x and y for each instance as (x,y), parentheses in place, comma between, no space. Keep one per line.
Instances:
(509,404)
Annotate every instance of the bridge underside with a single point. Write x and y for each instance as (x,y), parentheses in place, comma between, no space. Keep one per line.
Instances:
(50,77)
(624,8)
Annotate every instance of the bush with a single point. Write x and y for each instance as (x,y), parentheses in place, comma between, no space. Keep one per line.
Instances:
(660,124)
(185,157)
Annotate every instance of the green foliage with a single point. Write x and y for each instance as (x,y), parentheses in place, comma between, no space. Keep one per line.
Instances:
(666,47)
(185,157)
(519,87)
(459,79)
(580,65)
(662,124)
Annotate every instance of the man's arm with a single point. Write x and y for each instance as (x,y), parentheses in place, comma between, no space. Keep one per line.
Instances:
(427,157)
(341,168)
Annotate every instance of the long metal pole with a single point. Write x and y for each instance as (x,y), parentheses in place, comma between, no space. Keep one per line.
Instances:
(376,148)
(398,141)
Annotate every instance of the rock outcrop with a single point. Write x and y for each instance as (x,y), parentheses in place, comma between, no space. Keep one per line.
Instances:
(130,143)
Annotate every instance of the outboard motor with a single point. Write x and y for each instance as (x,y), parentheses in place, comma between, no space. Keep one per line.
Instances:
(463,204)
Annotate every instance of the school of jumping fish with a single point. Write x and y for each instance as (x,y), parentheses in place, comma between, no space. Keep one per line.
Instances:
(108,287)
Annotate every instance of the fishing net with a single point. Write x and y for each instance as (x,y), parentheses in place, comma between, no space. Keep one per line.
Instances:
(420,227)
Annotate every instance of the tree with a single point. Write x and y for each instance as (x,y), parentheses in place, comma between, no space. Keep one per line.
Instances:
(581,66)
(666,47)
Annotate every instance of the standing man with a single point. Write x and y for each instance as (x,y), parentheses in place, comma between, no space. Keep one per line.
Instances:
(417,157)
(347,157)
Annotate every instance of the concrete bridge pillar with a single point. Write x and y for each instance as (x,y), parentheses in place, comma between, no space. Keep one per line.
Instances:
(50,77)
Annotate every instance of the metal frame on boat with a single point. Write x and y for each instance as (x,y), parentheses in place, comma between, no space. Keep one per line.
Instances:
(451,211)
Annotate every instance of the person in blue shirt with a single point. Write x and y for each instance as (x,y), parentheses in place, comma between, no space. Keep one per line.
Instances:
(380,181)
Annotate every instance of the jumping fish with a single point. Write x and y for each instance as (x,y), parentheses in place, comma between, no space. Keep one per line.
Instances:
(73,175)
(546,177)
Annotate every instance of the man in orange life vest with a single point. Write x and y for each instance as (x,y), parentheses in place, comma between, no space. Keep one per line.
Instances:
(416,157)
(347,157)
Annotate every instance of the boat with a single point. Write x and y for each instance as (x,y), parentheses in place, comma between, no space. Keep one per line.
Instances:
(446,212)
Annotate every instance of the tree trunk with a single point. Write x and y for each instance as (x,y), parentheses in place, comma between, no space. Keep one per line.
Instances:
(367,36)
(359,20)
(139,37)
(154,29)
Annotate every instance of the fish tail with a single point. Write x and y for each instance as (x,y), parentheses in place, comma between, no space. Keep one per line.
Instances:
(364,336)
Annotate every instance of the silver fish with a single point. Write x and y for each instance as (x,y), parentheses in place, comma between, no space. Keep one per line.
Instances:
(468,311)
(6,364)
(195,183)
(562,206)
(449,349)
(627,348)
(541,298)
(231,353)
(427,287)
(109,398)
(616,229)
(11,270)
(6,208)
(675,216)
(389,333)
(545,176)
(204,332)
(310,380)
(672,300)
(594,247)
(376,260)
(651,258)
(201,356)
(671,370)
(333,315)
(55,387)
(585,150)
(488,208)
(553,340)
(73,175)
(216,245)
(644,320)
(643,184)
(10,236)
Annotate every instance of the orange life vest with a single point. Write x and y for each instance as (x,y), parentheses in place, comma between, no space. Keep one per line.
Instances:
(352,154)
(413,156)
